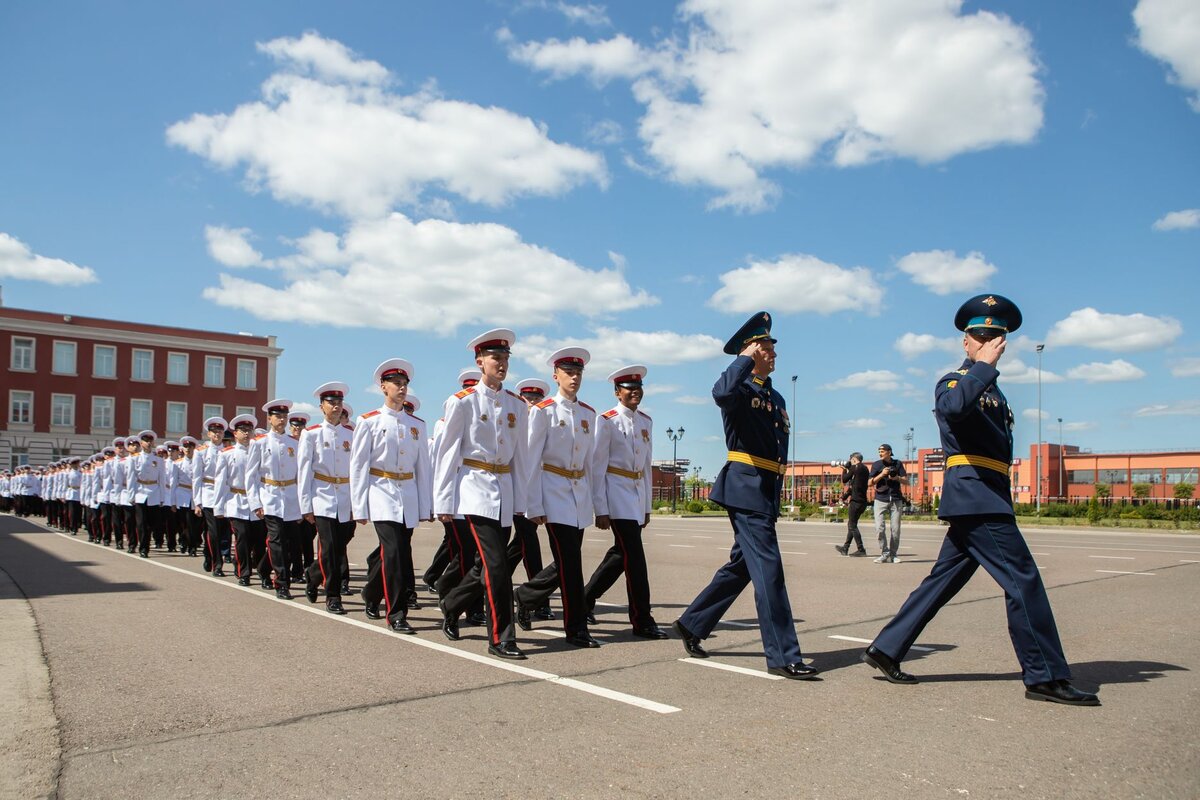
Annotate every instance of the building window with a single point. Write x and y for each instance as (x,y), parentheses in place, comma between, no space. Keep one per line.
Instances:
(62,410)
(177,417)
(247,374)
(1146,476)
(140,415)
(1081,476)
(244,410)
(143,365)
(214,371)
(213,411)
(57,453)
(177,367)
(20,457)
(104,361)
(64,358)
(102,413)
(20,408)
(1183,475)
(1111,476)
(22,354)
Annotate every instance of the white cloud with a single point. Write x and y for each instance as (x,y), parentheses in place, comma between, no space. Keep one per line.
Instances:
(694,400)
(19,262)
(606,131)
(329,133)
(1078,426)
(912,345)
(313,410)
(1186,368)
(1169,30)
(1120,333)
(1183,408)
(1032,414)
(231,246)
(943,272)
(396,274)
(1014,370)
(1178,220)
(651,389)
(873,380)
(756,85)
(1110,372)
(798,283)
(917,373)
(612,348)
(862,423)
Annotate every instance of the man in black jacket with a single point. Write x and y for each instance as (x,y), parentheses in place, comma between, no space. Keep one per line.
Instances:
(854,476)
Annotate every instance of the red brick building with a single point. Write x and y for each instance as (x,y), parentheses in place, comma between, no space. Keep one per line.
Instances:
(72,384)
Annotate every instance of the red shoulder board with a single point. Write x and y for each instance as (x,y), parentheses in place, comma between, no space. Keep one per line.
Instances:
(418,419)
(612,412)
(549,401)
(260,436)
(644,414)
(465,392)
(371,413)
(585,405)
(202,447)
(351,427)
(227,449)
(312,427)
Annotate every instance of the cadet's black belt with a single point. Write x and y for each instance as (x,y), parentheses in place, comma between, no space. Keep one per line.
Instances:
(757,461)
(978,461)
(487,466)
(573,474)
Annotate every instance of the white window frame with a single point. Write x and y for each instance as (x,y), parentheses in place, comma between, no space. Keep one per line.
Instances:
(133,361)
(135,426)
(112,413)
(12,400)
(208,361)
(74,358)
(12,356)
(208,410)
(254,373)
(187,364)
(183,427)
(55,398)
(96,360)
(239,410)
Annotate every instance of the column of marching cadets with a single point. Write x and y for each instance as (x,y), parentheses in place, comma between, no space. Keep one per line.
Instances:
(279,504)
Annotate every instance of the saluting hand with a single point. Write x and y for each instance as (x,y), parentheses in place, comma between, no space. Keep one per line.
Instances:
(991,350)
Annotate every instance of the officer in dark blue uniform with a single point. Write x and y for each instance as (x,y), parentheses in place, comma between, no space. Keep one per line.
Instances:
(976,424)
(756,432)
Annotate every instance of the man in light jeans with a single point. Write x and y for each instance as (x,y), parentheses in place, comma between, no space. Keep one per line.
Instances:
(886,475)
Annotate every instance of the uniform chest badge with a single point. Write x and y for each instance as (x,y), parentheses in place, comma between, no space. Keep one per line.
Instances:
(483,417)
(562,423)
(583,423)
(512,420)
(415,433)
(291,453)
(645,435)
(346,446)
(327,444)
(770,407)
(755,402)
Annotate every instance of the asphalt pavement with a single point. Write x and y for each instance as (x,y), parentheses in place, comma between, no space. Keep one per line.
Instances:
(147,678)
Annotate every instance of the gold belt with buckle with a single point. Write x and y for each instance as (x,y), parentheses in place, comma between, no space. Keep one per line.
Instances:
(757,461)
(330,478)
(978,461)
(396,476)
(573,474)
(270,482)
(487,466)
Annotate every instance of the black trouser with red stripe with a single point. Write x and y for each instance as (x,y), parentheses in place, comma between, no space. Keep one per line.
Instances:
(329,565)
(189,526)
(73,515)
(301,553)
(250,546)
(390,578)
(280,533)
(147,520)
(565,574)
(441,557)
(489,577)
(626,555)
(127,526)
(212,540)
(524,547)
(464,553)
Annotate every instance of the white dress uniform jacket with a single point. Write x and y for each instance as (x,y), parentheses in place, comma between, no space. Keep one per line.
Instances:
(230,489)
(181,484)
(147,478)
(482,426)
(102,473)
(170,476)
(271,476)
(204,475)
(562,438)
(124,481)
(323,466)
(390,474)
(621,465)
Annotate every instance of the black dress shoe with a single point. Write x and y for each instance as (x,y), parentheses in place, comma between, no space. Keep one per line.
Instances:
(334,606)
(218,573)
(524,618)
(412,602)
(311,593)
(401,626)
(372,610)
(650,632)
(283,593)
(591,618)
(345,587)
(429,587)
(884,663)
(859,553)
(449,626)
(795,672)
(1060,691)
(477,618)
(843,549)
(582,640)
(265,583)
(543,613)
(243,581)
(690,643)
(506,650)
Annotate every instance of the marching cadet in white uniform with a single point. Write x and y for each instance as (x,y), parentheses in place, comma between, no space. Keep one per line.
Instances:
(390,485)
(104,492)
(301,554)
(324,475)
(231,501)
(146,478)
(482,474)
(189,523)
(122,498)
(73,484)
(164,521)
(562,435)
(621,494)
(271,490)
(525,547)
(204,493)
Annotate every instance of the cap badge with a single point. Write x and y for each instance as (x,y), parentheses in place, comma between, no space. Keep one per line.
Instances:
(989,300)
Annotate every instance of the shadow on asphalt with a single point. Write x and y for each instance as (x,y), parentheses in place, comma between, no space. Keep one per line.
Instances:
(41,573)
(1087,675)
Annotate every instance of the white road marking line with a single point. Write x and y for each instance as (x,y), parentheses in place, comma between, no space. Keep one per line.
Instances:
(694,536)
(725,548)
(792,553)
(1116,558)
(549,632)
(1188,561)
(730,668)
(667,535)
(868,641)
(610,605)
(1037,554)
(488,661)
(1123,572)
(740,624)
(681,545)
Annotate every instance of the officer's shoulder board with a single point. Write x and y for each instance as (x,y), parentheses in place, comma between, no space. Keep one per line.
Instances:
(549,401)
(351,427)
(513,394)
(647,416)
(202,447)
(227,449)
(469,390)
(260,436)
(370,414)
(585,405)
(313,427)
(418,419)
(612,412)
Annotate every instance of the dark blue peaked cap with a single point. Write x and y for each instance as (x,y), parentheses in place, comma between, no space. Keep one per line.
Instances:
(993,312)
(757,327)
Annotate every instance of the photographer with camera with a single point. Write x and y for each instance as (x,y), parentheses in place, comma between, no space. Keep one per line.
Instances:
(889,500)
(854,476)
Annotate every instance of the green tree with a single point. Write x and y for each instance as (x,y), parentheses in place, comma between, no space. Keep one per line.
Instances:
(1093,512)
(1141,490)
(1103,490)
(1184,491)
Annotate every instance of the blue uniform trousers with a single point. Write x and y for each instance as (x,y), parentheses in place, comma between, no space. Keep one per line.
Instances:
(997,544)
(754,559)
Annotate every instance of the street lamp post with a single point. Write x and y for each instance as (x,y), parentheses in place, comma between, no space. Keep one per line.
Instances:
(1062,487)
(674,436)
(792,433)
(1040,347)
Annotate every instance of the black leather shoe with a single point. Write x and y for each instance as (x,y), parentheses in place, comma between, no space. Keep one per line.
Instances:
(144,555)
(412,602)
(591,618)
(690,643)
(524,618)
(218,573)
(544,613)
(582,640)
(283,593)
(429,587)
(311,593)
(372,610)
(449,626)
(884,663)
(795,672)
(859,553)
(506,650)
(265,583)
(1060,691)
(401,626)
(841,548)
(243,581)
(334,606)
(345,587)
(650,632)
(477,618)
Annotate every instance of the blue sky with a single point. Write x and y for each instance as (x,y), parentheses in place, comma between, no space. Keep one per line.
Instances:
(367,180)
